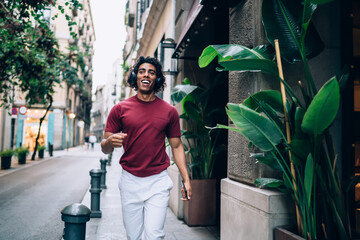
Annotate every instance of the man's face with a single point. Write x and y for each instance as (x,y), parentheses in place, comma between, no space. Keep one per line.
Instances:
(146,77)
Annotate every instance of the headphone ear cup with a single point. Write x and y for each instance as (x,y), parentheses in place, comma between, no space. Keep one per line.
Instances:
(133,78)
(157,82)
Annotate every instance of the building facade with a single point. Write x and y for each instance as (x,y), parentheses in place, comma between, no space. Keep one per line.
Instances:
(106,96)
(192,25)
(68,120)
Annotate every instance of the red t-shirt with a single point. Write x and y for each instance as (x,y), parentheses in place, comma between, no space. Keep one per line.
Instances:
(146,125)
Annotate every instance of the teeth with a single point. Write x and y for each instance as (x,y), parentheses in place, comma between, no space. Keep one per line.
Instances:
(145,81)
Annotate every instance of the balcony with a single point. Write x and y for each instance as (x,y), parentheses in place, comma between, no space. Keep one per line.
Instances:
(80,111)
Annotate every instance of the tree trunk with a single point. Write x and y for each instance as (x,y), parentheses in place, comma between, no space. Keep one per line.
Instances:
(41,120)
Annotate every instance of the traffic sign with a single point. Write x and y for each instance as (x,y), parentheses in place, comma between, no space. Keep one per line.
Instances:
(14,111)
(22,110)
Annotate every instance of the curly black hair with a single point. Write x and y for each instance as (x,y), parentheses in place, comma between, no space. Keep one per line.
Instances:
(160,82)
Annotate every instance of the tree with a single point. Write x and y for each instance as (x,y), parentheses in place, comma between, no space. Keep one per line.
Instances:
(30,59)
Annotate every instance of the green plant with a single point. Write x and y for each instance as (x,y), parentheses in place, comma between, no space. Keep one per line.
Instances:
(41,147)
(300,147)
(21,150)
(201,142)
(7,153)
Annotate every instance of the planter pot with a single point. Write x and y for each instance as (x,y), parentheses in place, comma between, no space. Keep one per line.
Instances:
(41,153)
(200,210)
(22,158)
(5,162)
(286,233)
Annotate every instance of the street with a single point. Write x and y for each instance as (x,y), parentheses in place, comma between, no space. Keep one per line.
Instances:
(32,198)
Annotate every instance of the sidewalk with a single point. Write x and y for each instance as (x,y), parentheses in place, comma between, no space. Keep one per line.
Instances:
(110,225)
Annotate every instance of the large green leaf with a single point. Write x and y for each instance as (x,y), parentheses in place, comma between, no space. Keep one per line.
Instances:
(309,9)
(321,1)
(179,92)
(269,103)
(282,20)
(252,65)
(194,113)
(267,159)
(300,149)
(258,129)
(268,182)
(309,178)
(323,108)
(233,51)
(271,97)
(299,115)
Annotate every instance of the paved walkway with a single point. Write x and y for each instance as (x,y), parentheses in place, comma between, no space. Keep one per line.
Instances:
(110,225)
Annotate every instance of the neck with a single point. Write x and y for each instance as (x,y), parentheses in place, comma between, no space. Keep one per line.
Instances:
(146,97)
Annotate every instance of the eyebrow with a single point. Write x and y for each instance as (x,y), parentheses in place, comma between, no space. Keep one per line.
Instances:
(149,69)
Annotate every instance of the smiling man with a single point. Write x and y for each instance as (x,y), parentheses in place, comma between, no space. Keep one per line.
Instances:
(140,124)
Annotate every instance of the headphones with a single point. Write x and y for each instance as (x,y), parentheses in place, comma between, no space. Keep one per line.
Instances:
(133,79)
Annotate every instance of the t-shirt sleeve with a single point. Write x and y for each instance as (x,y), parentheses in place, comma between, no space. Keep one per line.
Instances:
(113,123)
(173,129)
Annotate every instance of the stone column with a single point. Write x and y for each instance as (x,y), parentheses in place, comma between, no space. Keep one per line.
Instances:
(245,208)
(246,29)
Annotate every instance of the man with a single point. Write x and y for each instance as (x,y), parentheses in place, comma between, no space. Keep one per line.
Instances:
(140,124)
(87,140)
(92,141)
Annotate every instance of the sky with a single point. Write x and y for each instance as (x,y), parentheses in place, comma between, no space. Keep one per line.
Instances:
(110,33)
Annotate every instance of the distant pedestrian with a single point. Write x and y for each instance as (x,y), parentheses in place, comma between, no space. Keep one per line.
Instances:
(87,140)
(140,124)
(92,140)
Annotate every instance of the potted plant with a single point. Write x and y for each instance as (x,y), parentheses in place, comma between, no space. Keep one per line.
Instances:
(201,147)
(291,130)
(6,156)
(21,152)
(41,150)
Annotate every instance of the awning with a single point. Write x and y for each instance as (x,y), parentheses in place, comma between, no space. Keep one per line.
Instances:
(193,17)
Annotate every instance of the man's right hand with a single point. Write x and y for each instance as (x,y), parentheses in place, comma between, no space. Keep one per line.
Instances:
(111,141)
(116,140)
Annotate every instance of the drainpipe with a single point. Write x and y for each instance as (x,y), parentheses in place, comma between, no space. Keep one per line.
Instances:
(173,12)
(173,17)
(3,126)
(172,36)
(173,6)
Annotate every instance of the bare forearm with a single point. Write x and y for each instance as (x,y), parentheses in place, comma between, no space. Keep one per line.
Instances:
(106,147)
(180,161)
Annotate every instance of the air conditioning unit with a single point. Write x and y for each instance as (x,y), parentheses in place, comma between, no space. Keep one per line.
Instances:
(129,19)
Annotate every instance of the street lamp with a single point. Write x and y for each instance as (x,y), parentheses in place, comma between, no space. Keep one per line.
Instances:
(167,48)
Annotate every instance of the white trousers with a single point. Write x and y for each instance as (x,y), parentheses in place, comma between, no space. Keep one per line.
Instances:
(144,204)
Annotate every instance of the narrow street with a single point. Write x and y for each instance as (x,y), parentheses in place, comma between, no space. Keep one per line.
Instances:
(32,197)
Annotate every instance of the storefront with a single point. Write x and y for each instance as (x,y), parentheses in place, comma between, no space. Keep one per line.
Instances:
(28,128)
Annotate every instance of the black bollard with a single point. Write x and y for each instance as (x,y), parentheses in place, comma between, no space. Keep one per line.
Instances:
(109,159)
(103,175)
(95,193)
(51,146)
(75,217)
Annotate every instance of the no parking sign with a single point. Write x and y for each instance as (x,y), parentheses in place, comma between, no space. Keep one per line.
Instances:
(14,111)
